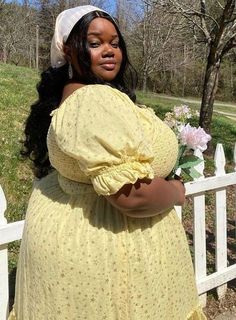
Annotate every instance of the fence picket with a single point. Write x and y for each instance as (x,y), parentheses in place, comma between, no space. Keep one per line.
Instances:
(219,160)
(4,292)
(178,209)
(199,237)
(221,219)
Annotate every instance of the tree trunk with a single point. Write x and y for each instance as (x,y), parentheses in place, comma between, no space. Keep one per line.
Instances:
(209,91)
(184,71)
(145,75)
(37,48)
(4,53)
(231,80)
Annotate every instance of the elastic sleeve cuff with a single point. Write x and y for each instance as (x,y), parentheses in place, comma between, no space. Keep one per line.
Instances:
(111,180)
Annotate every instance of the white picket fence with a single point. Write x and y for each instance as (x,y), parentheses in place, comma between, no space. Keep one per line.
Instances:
(197,189)
(13,231)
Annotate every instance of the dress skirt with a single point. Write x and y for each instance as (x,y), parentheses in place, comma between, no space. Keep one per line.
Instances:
(81,259)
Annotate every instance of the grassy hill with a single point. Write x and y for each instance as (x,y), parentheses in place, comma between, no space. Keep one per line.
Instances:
(17,92)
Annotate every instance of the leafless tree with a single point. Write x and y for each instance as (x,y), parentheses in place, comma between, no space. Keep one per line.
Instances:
(155,38)
(2,2)
(15,33)
(46,17)
(123,13)
(213,22)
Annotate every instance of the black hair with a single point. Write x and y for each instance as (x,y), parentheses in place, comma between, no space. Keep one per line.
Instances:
(53,80)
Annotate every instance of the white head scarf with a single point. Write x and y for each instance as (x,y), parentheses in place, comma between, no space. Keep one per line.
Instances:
(65,22)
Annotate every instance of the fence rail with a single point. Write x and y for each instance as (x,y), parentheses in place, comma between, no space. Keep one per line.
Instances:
(197,190)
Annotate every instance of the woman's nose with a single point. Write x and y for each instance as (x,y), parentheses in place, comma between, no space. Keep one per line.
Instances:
(108,51)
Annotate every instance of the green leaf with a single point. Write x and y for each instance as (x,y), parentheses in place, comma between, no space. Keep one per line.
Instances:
(192,173)
(189,161)
(190,157)
(182,149)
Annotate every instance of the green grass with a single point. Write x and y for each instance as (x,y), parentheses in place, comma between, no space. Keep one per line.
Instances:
(195,103)
(17,92)
(159,105)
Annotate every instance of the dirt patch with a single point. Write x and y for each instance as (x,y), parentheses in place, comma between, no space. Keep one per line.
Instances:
(224,309)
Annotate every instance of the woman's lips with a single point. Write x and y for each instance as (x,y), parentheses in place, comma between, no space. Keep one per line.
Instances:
(109,66)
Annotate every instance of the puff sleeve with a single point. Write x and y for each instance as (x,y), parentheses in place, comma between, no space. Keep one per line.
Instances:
(99,127)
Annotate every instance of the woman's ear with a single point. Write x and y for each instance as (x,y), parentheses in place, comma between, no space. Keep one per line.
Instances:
(67,52)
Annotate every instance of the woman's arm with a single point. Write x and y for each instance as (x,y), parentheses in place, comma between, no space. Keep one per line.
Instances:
(147,198)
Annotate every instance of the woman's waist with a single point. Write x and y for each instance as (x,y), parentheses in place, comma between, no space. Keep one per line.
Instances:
(70,186)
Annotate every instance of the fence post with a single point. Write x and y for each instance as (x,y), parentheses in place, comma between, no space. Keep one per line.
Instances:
(178,209)
(221,219)
(4,291)
(200,230)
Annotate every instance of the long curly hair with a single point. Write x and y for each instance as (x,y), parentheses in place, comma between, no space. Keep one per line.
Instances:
(52,82)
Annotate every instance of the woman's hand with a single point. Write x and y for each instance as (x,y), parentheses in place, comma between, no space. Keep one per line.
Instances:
(180,189)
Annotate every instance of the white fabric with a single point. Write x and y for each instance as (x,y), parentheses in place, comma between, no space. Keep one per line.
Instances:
(64,24)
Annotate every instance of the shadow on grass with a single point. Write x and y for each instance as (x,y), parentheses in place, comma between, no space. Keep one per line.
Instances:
(12,281)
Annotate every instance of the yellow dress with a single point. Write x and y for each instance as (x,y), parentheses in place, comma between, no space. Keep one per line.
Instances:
(80,258)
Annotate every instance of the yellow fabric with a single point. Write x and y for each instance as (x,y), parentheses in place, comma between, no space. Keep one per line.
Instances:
(80,258)
(109,154)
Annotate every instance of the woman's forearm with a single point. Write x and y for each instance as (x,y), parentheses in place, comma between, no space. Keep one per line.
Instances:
(148,197)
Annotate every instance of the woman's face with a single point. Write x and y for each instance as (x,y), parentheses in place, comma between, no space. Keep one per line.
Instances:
(106,55)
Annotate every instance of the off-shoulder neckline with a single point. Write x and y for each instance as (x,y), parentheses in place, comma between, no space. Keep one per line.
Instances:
(86,87)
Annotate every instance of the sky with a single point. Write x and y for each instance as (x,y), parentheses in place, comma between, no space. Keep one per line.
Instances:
(109,5)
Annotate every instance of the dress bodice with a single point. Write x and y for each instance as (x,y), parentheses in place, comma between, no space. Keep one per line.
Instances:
(108,142)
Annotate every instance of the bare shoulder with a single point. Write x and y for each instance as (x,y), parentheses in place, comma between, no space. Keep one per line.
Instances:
(69,89)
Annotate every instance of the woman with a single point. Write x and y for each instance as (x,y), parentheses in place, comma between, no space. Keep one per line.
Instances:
(101,240)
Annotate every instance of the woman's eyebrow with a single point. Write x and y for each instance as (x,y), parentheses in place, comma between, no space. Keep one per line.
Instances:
(97,33)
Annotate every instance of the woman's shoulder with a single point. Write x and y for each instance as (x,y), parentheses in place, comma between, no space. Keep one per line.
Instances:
(81,89)
(69,89)
(100,95)
(92,93)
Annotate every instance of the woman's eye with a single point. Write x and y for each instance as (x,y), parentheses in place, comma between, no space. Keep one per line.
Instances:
(115,45)
(94,44)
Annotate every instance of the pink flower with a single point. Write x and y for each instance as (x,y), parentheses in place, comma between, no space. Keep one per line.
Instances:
(182,112)
(194,138)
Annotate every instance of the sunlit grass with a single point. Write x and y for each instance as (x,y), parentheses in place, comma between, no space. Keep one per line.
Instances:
(17,93)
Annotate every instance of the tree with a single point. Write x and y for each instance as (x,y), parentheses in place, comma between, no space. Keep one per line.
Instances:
(15,33)
(213,22)
(152,35)
(46,17)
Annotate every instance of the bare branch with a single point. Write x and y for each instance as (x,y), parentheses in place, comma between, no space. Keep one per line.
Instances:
(230,45)
(224,34)
(203,20)
(191,11)
(196,24)
(219,4)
